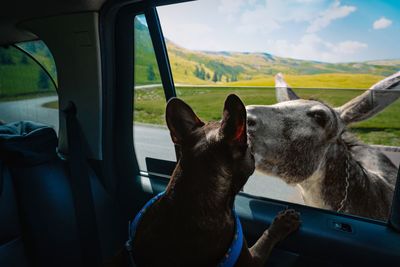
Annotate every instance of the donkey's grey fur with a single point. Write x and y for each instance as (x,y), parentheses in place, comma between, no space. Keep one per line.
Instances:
(306,143)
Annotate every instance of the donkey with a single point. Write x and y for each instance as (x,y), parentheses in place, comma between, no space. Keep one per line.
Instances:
(307,143)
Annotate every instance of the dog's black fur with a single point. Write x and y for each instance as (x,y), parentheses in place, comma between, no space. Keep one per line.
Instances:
(193,224)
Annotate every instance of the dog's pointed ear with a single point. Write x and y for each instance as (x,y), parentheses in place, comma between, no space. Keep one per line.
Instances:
(181,120)
(233,126)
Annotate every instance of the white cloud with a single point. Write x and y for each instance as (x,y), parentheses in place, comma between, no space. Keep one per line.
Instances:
(231,8)
(349,47)
(335,11)
(266,16)
(269,15)
(382,23)
(191,34)
(312,47)
(256,21)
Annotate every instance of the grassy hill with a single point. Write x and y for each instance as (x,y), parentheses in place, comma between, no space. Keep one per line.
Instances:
(20,75)
(385,62)
(146,69)
(253,69)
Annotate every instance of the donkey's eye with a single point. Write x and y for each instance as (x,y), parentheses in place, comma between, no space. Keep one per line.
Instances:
(319,116)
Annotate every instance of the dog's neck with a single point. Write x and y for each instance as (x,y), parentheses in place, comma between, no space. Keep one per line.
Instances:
(192,214)
(202,192)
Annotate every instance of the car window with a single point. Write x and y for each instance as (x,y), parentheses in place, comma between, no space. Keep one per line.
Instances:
(27,92)
(39,51)
(151,137)
(220,47)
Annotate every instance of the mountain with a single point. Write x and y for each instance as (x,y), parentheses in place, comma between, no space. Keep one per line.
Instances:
(385,62)
(223,67)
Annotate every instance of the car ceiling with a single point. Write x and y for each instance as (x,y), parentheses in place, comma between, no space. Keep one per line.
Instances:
(16,11)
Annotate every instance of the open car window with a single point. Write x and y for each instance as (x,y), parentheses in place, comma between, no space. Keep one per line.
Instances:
(217,51)
(151,137)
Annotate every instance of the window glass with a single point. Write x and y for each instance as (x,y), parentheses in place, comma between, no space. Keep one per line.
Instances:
(151,137)
(221,47)
(41,53)
(27,92)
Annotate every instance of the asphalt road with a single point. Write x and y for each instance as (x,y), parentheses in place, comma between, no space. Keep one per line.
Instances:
(150,141)
(30,109)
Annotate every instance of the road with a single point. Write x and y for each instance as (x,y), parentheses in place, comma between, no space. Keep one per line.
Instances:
(149,141)
(30,109)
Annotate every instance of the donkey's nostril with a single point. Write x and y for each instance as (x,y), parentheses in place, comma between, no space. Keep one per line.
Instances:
(251,122)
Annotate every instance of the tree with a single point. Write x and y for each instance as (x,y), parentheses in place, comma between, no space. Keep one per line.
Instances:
(43,81)
(197,72)
(24,59)
(151,76)
(208,76)
(215,77)
(5,57)
(202,73)
(219,76)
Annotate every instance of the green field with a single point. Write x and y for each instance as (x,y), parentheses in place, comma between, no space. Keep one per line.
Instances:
(207,102)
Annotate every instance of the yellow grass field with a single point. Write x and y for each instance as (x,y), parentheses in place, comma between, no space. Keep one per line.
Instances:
(332,80)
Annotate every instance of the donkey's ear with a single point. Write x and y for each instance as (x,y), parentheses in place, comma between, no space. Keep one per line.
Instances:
(283,91)
(366,105)
(233,126)
(181,120)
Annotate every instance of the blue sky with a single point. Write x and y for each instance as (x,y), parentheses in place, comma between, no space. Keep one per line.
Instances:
(323,30)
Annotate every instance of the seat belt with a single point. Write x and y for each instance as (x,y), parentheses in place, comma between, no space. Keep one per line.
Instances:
(81,191)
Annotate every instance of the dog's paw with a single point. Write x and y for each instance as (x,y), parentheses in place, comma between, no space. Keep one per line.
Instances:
(286,222)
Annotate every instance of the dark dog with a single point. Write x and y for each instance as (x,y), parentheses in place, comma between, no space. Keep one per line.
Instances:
(193,223)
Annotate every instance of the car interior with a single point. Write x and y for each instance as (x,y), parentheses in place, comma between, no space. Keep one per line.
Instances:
(67,195)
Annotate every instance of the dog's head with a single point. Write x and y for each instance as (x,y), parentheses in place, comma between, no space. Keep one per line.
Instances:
(216,152)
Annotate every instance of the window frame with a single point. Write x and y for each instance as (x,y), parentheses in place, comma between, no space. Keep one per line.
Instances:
(124,147)
(115,21)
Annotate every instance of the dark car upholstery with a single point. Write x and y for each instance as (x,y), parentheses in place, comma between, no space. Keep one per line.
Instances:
(45,200)
(12,251)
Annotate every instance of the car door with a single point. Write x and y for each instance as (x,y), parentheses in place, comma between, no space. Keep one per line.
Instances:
(140,66)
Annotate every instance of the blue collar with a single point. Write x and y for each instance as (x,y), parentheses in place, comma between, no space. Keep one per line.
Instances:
(232,254)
